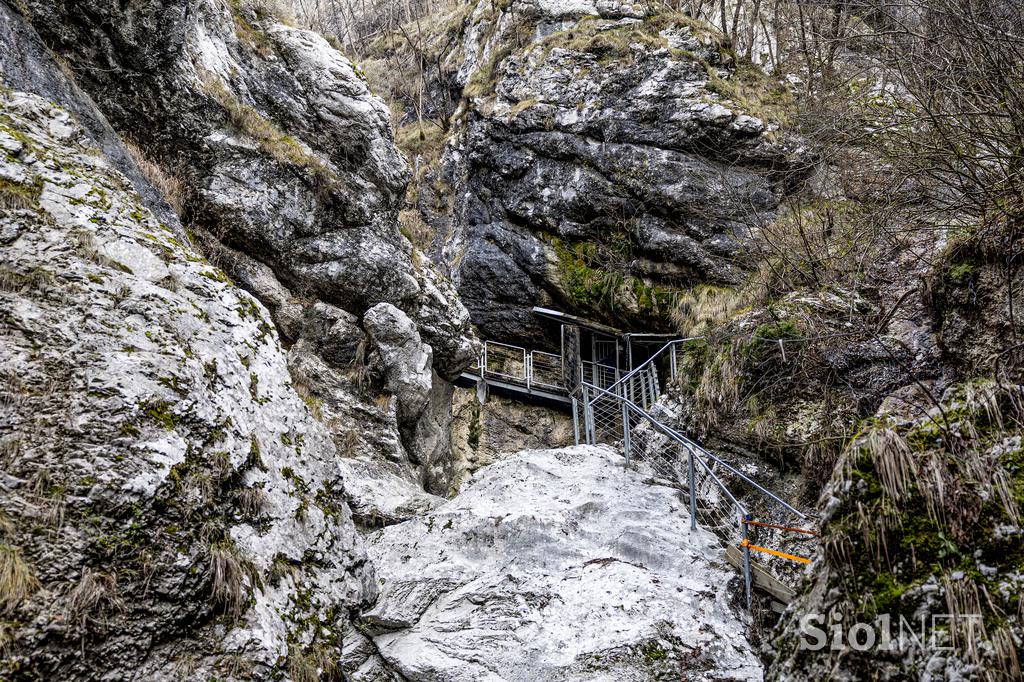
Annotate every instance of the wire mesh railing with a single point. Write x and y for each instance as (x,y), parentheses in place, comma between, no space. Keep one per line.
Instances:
(599,374)
(517,365)
(503,361)
(546,370)
(641,384)
(606,416)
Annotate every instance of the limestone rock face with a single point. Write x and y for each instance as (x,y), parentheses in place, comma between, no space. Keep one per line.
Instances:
(172,507)
(293,186)
(484,433)
(600,165)
(289,154)
(556,564)
(406,360)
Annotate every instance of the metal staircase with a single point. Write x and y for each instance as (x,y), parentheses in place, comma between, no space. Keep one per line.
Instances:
(621,414)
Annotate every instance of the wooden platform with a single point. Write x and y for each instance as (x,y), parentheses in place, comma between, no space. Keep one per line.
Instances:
(761,578)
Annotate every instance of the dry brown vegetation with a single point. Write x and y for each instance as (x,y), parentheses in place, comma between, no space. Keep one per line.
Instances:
(17,578)
(171,187)
(284,148)
(231,577)
(933,497)
(92,600)
(15,195)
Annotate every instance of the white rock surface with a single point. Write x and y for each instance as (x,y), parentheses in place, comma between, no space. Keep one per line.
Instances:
(150,398)
(556,565)
(406,360)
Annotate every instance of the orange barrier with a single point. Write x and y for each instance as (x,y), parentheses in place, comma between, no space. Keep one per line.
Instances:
(746,543)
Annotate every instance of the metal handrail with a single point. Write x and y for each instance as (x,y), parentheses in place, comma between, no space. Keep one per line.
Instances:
(485,368)
(686,442)
(686,450)
(651,359)
(534,355)
(528,361)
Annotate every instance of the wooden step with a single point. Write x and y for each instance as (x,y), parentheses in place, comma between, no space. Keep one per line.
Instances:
(761,578)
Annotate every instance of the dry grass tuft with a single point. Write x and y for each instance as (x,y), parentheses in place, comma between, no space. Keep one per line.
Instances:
(229,573)
(307,665)
(718,391)
(92,599)
(36,279)
(226,577)
(282,567)
(17,196)
(705,308)
(893,460)
(251,501)
(87,249)
(170,186)
(314,403)
(284,148)
(278,10)
(6,638)
(349,443)
(359,369)
(17,579)
(415,229)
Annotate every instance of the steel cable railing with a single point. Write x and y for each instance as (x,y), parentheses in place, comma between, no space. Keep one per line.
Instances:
(603,416)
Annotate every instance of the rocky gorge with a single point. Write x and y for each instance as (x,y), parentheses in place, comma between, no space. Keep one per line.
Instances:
(249,259)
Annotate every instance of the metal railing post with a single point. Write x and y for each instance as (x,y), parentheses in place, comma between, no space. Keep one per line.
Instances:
(625,434)
(746,560)
(672,364)
(483,362)
(693,492)
(696,456)
(528,367)
(588,417)
(575,421)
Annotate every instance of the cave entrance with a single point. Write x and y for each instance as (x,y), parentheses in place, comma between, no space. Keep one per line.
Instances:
(598,353)
(588,351)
